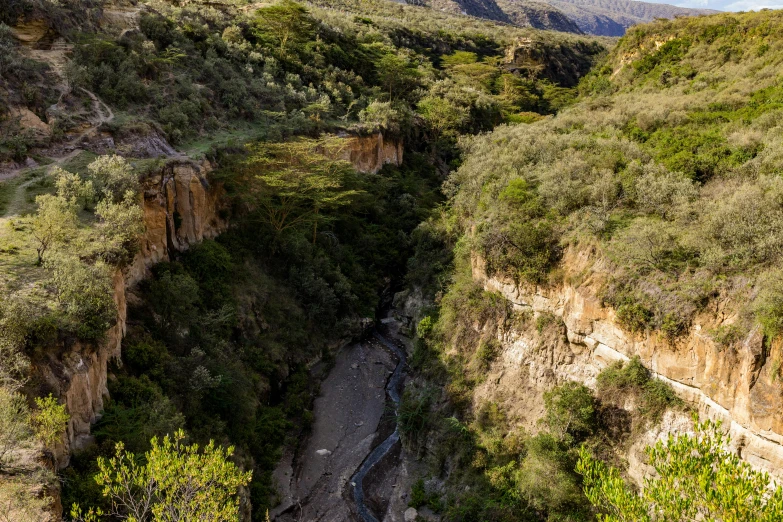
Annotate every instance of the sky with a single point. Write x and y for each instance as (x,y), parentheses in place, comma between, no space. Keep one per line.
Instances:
(727,5)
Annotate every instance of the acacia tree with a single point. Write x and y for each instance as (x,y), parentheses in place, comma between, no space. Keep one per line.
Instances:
(54,222)
(696,478)
(397,74)
(297,182)
(174,482)
(287,22)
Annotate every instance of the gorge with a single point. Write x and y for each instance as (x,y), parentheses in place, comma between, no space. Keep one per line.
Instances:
(373,261)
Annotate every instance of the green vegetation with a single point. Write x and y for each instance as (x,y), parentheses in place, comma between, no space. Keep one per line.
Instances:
(697,477)
(192,70)
(665,171)
(57,266)
(174,481)
(219,338)
(488,466)
(49,420)
(631,379)
(665,177)
(24,430)
(667,168)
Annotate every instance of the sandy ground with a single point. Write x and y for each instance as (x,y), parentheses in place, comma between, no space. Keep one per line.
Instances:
(314,484)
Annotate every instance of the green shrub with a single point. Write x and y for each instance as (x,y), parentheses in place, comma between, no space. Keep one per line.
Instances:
(487,352)
(545,319)
(425,326)
(768,305)
(525,250)
(49,420)
(114,177)
(15,429)
(548,482)
(726,336)
(669,53)
(418,494)
(696,475)
(413,415)
(622,379)
(145,354)
(570,411)
(634,317)
(85,294)
(211,265)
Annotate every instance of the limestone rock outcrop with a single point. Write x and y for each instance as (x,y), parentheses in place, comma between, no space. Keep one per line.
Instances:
(181,207)
(369,154)
(735,385)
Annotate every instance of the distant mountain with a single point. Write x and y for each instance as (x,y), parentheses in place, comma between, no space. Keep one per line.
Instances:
(613,17)
(525,13)
(598,17)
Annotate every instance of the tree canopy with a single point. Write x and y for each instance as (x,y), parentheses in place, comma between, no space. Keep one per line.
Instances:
(696,478)
(296,182)
(174,482)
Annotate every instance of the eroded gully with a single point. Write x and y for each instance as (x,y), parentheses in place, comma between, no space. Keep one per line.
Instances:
(341,472)
(393,390)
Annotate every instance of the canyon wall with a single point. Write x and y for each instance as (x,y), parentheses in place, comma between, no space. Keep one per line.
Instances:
(370,153)
(735,384)
(181,207)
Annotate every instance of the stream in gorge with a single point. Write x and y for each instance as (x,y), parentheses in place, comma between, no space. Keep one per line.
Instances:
(349,467)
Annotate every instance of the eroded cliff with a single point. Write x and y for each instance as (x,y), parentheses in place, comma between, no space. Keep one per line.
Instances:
(368,154)
(735,385)
(181,207)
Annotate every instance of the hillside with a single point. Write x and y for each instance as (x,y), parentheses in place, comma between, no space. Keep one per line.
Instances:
(202,203)
(597,17)
(613,18)
(360,260)
(523,14)
(631,244)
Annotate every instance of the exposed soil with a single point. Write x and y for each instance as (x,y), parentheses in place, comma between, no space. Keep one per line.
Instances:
(354,435)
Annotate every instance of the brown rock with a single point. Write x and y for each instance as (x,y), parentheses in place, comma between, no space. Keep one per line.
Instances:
(736,385)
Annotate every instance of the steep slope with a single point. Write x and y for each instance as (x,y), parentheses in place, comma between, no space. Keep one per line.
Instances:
(598,17)
(614,17)
(527,13)
(640,228)
(157,125)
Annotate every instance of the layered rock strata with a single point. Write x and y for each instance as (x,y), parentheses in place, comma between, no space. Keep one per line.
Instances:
(736,385)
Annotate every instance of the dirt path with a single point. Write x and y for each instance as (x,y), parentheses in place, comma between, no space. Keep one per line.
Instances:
(347,415)
(17,202)
(57,57)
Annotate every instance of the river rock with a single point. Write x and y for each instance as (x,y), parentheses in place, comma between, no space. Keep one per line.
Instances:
(410,515)
(323,452)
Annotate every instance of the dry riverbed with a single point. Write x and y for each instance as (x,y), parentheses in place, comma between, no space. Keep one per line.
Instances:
(353,415)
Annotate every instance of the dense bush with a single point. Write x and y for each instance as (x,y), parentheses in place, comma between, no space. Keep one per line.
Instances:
(666,171)
(631,379)
(696,476)
(289,69)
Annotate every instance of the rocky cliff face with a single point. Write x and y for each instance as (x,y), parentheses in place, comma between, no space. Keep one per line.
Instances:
(181,208)
(562,65)
(369,154)
(735,385)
